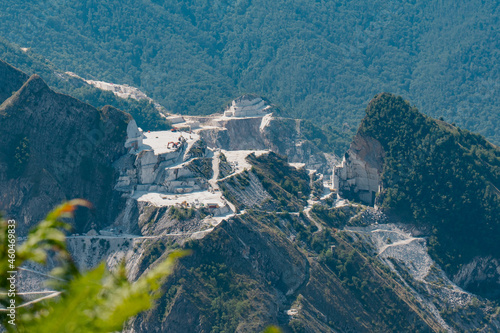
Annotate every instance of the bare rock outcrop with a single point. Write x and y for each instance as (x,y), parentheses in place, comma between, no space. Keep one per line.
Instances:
(263,131)
(358,176)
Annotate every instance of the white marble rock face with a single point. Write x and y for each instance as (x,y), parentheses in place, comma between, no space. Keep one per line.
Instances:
(356,176)
(134,136)
(246,106)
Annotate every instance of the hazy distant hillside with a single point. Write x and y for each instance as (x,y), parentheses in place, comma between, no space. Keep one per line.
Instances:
(320,60)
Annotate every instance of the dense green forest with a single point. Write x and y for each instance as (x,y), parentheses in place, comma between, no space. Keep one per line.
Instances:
(320,60)
(438,175)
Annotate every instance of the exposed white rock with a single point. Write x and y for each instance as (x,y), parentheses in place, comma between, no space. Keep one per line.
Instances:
(266,120)
(354,175)
(121,90)
(237,158)
(393,243)
(175,119)
(247,106)
(359,173)
(135,136)
(298,165)
(164,142)
(192,125)
(200,198)
(92,232)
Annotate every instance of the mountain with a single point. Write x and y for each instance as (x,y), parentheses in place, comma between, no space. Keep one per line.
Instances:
(272,241)
(54,148)
(434,175)
(321,61)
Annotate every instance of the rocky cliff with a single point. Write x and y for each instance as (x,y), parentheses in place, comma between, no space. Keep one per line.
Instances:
(12,80)
(280,135)
(435,175)
(359,175)
(56,148)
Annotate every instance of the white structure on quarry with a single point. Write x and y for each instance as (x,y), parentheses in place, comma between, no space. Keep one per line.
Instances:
(184,123)
(356,178)
(135,136)
(247,106)
(120,90)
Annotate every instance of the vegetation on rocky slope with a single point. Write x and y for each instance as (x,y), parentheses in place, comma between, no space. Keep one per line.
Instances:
(56,147)
(251,269)
(285,187)
(255,267)
(438,175)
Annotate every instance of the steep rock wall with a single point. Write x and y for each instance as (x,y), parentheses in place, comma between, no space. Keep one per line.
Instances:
(481,276)
(358,176)
(57,148)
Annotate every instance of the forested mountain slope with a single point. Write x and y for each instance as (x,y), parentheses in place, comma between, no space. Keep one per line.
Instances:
(320,60)
(441,177)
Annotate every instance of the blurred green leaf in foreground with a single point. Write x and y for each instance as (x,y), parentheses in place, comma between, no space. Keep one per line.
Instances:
(95,301)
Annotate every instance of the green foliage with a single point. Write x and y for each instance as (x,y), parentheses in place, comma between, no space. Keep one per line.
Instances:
(317,60)
(297,326)
(375,289)
(348,270)
(335,217)
(144,112)
(439,175)
(198,149)
(202,166)
(227,290)
(272,329)
(222,157)
(94,301)
(288,186)
(328,138)
(225,168)
(151,253)
(181,213)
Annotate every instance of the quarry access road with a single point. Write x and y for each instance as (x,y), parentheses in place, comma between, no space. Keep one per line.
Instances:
(307,211)
(401,291)
(215,168)
(402,242)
